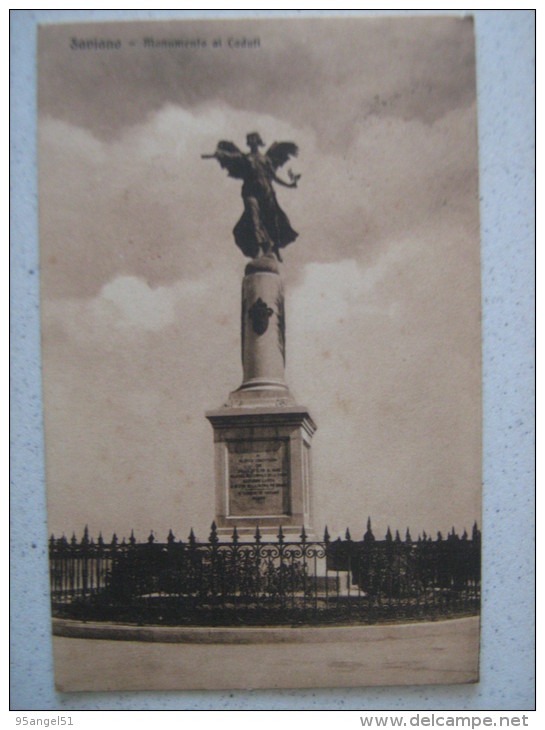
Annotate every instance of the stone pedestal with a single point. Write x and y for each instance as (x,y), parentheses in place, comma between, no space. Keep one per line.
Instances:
(262,438)
(262,469)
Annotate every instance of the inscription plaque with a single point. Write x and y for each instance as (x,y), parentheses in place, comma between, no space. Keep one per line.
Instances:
(258,477)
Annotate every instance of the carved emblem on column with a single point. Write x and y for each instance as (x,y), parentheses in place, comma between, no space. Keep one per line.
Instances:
(260,314)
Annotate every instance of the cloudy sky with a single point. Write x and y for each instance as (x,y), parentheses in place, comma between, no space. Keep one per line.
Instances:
(141,277)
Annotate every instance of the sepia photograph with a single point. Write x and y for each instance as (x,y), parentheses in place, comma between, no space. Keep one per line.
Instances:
(261,347)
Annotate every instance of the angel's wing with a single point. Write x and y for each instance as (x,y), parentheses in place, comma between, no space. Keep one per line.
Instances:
(280,152)
(230,157)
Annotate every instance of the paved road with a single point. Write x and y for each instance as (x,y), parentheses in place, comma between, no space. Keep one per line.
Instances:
(427,653)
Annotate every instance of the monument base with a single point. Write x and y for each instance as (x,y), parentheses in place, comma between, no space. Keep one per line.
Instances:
(262,465)
(261,393)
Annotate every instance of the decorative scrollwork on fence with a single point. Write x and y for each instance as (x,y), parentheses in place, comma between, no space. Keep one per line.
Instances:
(265,582)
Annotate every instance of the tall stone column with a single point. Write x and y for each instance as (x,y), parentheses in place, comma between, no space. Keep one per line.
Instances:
(263,337)
(263,342)
(262,437)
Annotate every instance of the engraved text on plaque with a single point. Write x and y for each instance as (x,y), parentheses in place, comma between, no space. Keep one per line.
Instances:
(258,477)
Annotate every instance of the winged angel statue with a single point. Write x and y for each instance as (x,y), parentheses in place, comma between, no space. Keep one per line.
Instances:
(263,228)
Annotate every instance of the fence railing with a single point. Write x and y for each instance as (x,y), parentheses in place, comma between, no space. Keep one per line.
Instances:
(265,582)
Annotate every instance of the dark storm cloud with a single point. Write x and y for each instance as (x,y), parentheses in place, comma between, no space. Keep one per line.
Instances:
(307,72)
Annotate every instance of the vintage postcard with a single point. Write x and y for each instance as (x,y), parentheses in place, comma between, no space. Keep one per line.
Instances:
(260,292)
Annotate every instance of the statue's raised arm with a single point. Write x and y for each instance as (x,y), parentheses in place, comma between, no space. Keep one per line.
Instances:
(263,228)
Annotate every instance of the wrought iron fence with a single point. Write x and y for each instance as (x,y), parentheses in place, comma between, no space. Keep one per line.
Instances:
(257,582)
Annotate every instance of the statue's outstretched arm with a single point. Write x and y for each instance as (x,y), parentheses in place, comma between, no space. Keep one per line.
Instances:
(292,184)
(231,158)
